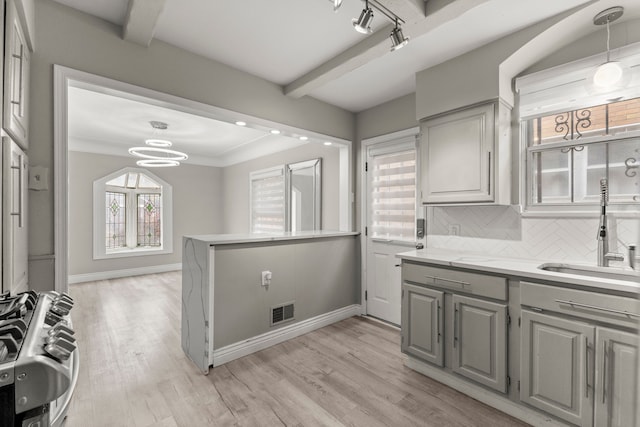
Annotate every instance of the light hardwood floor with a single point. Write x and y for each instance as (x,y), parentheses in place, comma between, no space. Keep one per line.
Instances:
(133,372)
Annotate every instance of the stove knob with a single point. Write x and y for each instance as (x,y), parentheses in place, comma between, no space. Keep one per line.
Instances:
(53,319)
(59,310)
(60,334)
(62,326)
(57,352)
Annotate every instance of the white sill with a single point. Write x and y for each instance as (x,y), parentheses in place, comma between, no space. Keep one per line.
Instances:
(142,251)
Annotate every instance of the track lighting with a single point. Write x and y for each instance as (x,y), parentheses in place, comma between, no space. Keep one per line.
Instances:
(363,24)
(398,40)
(336,4)
(611,74)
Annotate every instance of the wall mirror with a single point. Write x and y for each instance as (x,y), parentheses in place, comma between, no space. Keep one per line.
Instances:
(304,202)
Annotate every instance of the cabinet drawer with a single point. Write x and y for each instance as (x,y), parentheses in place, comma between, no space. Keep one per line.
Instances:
(596,306)
(461,281)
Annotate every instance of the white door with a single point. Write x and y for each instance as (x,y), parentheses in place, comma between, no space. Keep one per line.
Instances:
(390,223)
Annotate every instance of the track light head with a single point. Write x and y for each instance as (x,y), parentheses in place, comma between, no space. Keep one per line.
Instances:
(363,24)
(398,40)
(336,4)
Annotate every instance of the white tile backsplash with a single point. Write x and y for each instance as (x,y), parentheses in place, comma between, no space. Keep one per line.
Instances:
(500,230)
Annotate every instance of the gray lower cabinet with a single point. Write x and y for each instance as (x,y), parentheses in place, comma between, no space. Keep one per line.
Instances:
(616,374)
(556,369)
(480,341)
(422,323)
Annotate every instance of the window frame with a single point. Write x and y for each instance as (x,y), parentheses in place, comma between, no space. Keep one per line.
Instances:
(99,219)
(572,209)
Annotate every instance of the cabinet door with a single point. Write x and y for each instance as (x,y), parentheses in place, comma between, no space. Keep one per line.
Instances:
(556,365)
(616,378)
(422,323)
(16,78)
(480,341)
(458,157)
(15,239)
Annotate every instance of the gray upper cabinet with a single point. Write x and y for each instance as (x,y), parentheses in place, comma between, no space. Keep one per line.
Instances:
(466,155)
(480,341)
(17,60)
(556,369)
(616,373)
(422,323)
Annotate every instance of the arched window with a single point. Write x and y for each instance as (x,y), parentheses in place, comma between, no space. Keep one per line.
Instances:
(132,215)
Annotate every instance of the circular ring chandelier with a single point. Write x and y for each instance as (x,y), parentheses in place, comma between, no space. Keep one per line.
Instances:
(157,163)
(168,154)
(158,143)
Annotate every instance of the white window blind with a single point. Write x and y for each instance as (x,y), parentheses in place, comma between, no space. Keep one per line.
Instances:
(268,201)
(393,195)
(567,87)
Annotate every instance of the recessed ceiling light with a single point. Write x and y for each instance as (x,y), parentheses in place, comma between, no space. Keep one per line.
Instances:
(327,143)
(241,123)
(304,138)
(275,132)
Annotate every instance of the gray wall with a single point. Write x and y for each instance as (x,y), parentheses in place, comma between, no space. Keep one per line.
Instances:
(79,41)
(236,185)
(242,306)
(197,191)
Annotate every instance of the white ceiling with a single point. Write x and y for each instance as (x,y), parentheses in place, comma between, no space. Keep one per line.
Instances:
(110,123)
(283,40)
(301,45)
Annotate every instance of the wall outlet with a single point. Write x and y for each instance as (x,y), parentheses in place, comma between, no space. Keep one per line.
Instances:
(454,229)
(266,278)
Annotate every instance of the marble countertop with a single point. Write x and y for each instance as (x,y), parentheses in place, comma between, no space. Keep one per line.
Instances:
(228,239)
(520,268)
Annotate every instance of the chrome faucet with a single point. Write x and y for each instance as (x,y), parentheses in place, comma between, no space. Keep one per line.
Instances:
(633,258)
(604,256)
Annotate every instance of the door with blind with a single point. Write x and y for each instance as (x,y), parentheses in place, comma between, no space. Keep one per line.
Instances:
(390,223)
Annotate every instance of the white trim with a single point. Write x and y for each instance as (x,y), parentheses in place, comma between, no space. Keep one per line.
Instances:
(268,339)
(64,76)
(481,394)
(115,274)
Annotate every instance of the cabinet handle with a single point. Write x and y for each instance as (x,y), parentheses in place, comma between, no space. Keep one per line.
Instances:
(20,170)
(586,366)
(595,307)
(604,370)
(455,325)
(489,172)
(20,88)
(457,282)
(438,321)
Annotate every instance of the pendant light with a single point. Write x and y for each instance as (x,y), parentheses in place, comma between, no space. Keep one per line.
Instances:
(611,74)
(156,152)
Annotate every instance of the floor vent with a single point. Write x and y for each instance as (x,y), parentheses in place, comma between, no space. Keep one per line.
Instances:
(281,313)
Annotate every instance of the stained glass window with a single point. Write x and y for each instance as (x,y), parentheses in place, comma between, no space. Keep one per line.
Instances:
(116,223)
(149,230)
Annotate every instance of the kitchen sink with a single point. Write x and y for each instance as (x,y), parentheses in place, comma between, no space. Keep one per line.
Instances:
(592,271)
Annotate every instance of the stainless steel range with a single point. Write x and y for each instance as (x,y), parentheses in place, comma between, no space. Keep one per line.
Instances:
(38,359)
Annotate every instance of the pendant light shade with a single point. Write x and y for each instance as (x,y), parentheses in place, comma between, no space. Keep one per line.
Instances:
(363,23)
(610,75)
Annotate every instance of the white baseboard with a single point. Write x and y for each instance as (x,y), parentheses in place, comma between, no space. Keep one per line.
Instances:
(114,274)
(494,400)
(260,342)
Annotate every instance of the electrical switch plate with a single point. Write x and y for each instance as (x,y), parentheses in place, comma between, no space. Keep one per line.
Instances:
(266,278)
(454,229)
(38,178)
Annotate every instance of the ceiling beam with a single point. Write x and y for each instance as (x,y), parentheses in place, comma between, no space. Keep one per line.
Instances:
(420,18)
(141,20)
